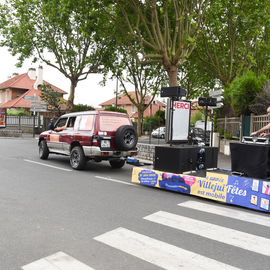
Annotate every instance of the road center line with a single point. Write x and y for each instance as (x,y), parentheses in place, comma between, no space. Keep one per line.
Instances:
(114,180)
(47,165)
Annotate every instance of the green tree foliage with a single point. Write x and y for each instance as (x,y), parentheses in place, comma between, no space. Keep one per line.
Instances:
(68,35)
(54,99)
(155,121)
(243,91)
(17,112)
(232,38)
(195,80)
(198,115)
(82,108)
(114,109)
(146,80)
(165,32)
(262,100)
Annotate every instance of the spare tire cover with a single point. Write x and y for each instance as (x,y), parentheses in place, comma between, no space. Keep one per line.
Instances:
(125,138)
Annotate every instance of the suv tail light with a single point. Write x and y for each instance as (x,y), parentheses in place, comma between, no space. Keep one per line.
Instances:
(95,141)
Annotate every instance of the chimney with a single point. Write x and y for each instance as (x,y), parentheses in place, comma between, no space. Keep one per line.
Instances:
(15,74)
(31,73)
(39,79)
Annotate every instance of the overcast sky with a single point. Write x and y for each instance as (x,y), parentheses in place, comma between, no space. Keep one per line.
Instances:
(87,92)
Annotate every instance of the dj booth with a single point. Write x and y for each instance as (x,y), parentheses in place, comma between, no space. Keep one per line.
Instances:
(247,184)
(251,158)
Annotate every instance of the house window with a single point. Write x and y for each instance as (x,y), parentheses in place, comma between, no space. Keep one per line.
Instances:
(124,107)
(133,109)
(7,95)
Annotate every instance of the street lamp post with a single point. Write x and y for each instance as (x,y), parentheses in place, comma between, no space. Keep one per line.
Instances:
(116,93)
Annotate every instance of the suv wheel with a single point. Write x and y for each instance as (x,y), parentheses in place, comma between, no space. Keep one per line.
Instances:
(125,138)
(77,158)
(43,150)
(117,163)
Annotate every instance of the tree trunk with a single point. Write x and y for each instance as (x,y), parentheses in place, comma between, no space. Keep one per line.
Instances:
(70,101)
(172,72)
(139,124)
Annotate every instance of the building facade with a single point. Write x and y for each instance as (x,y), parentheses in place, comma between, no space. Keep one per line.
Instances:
(21,89)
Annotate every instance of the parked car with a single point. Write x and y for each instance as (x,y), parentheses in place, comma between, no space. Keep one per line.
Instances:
(159,133)
(197,136)
(91,135)
(200,124)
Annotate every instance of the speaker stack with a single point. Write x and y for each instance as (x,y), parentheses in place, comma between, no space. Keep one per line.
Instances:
(179,159)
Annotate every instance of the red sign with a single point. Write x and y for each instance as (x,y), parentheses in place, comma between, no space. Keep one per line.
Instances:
(3,117)
(181,105)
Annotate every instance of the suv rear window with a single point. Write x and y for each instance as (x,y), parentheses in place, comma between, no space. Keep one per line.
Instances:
(112,123)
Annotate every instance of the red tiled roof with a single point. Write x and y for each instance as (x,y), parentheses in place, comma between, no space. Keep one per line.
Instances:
(20,81)
(23,82)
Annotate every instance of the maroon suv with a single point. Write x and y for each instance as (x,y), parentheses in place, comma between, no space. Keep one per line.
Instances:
(95,135)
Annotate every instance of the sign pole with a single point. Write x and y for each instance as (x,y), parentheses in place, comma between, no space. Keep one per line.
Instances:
(171,120)
(205,123)
(34,124)
(212,126)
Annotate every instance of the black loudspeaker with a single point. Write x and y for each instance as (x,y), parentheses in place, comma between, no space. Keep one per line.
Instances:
(251,160)
(178,159)
(174,91)
(203,101)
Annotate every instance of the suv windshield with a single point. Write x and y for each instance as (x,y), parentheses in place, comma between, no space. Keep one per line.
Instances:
(112,123)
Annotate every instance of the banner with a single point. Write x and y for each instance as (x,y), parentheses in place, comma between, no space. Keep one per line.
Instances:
(250,193)
(3,116)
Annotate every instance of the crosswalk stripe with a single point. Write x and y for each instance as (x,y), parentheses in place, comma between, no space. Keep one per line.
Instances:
(157,252)
(227,212)
(57,261)
(229,236)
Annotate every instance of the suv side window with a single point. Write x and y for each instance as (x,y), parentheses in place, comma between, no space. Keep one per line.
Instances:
(71,122)
(86,122)
(61,122)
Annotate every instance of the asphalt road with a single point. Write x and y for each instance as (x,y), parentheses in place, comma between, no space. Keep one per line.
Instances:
(45,208)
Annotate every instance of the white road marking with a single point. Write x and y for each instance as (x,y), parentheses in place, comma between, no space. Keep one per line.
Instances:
(115,180)
(57,261)
(157,252)
(227,212)
(228,236)
(47,165)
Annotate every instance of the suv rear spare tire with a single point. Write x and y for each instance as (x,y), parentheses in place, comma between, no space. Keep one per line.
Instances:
(77,158)
(125,138)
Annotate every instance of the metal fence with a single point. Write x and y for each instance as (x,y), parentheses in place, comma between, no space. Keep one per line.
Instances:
(233,125)
(230,126)
(24,121)
(258,121)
